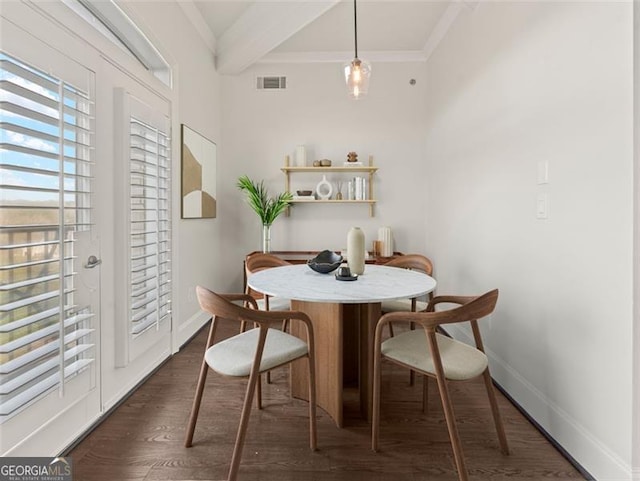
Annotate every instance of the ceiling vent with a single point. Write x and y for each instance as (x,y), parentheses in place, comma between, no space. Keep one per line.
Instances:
(271,83)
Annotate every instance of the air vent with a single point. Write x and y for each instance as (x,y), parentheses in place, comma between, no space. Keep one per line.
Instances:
(271,83)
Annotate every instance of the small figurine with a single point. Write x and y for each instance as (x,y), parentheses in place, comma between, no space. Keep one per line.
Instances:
(352,157)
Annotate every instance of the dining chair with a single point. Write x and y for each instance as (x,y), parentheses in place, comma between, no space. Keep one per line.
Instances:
(256,262)
(249,354)
(438,356)
(416,262)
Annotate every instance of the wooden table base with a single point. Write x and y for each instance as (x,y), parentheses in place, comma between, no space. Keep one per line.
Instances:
(344,354)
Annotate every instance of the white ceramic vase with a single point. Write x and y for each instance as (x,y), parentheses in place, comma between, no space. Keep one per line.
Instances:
(324,189)
(355,250)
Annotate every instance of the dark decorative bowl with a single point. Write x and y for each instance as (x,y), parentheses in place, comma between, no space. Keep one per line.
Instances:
(325,262)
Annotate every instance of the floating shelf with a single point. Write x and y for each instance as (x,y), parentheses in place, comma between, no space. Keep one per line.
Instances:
(368,169)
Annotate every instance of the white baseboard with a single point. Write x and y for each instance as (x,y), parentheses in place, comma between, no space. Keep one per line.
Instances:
(586,449)
(185,330)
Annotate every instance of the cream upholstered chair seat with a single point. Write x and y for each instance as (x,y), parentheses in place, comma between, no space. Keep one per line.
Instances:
(403,305)
(275,304)
(459,360)
(235,356)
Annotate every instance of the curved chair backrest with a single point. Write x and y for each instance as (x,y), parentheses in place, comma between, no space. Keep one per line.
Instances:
(258,262)
(412,261)
(470,308)
(223,307)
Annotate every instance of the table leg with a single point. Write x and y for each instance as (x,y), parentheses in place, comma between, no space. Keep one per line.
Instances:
(327,320)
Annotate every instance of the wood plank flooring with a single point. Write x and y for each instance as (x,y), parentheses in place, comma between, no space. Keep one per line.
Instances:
(143,438)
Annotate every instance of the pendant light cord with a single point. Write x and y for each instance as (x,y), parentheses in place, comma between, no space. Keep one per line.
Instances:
(355,26)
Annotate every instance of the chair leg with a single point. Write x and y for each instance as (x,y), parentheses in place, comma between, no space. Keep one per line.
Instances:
(391,334)
(375,415)
(447,407)
(453,430)
(195,409)
(425,394)
(254,378)
(204,369)
(412,374)
(259,392)
(313,436)
(268,377)
(497,418)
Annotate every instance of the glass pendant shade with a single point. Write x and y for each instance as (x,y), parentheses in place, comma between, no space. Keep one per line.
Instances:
(357,74)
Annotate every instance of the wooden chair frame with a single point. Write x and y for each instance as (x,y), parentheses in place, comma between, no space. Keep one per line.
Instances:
(416,262)
(254,263)
(470,309)
(222,307)
(257,262)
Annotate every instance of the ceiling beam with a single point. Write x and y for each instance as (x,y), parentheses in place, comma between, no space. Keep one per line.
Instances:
(442,27)
(261,28)
(197,20)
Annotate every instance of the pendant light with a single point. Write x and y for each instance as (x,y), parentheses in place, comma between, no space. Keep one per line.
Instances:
(357,72)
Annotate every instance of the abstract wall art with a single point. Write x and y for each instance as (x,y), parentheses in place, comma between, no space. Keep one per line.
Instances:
(198,176)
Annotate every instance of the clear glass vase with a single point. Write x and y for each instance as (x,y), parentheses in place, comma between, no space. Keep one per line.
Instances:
(266,238)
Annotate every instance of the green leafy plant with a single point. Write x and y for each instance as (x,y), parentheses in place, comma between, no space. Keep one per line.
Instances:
(267,208)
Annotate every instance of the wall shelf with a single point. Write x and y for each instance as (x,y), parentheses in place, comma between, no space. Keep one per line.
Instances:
(367,169)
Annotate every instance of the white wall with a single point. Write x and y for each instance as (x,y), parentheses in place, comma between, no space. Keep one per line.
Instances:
(511,85)
(261,127)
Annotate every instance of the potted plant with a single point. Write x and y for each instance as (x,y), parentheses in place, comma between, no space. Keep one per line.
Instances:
(267,208)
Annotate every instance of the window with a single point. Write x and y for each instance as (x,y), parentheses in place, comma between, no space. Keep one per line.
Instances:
(45,203)
(109,19)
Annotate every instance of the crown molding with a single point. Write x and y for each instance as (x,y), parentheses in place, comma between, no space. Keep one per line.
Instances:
(344,56)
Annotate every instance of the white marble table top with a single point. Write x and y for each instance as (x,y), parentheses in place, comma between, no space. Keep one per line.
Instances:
(377,284)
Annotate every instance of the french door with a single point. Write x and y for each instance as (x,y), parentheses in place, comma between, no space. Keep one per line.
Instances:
(49,250)
(135,193)
(85,237)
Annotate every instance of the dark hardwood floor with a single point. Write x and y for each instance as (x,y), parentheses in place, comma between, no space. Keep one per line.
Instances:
(143,438)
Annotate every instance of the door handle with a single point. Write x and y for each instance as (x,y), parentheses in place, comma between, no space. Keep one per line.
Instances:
(92,261)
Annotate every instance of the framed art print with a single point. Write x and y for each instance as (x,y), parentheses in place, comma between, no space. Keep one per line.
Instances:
(198,175)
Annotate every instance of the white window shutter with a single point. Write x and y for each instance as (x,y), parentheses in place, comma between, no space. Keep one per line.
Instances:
(146,169)
(46,143)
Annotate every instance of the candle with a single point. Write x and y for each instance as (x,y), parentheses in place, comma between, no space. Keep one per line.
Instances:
(301,156)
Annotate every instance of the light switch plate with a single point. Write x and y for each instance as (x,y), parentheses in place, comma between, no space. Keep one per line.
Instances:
(543,172)
(542,206)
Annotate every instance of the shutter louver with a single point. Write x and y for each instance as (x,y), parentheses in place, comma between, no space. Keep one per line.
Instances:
(45,198)
(150,227)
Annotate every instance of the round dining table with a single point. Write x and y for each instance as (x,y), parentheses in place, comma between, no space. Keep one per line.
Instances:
(344,314)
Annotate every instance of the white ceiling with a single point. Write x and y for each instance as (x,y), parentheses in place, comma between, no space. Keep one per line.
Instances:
(241,33)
